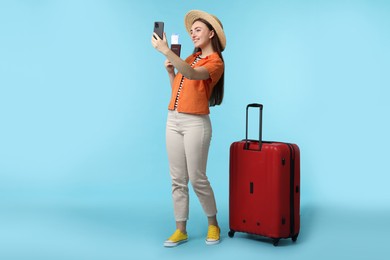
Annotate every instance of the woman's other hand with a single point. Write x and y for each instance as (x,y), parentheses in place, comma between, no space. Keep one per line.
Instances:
(169,66)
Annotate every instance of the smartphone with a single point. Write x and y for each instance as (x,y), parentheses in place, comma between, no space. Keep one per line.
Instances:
(159,29)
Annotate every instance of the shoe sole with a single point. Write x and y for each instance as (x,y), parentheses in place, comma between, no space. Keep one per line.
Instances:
(173,244)
(210,243)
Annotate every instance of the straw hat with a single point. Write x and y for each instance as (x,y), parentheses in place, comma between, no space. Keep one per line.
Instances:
(192,15)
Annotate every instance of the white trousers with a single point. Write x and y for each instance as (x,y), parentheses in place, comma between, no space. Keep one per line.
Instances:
(188,139)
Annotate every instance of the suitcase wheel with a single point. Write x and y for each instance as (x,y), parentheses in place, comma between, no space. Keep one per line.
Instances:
(276,241)
(231,233)
(294,238)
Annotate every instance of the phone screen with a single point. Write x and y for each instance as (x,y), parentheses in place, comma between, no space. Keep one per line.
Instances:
(159,29)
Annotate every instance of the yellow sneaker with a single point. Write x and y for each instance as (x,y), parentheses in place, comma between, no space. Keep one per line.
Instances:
(176,239)
(213,235)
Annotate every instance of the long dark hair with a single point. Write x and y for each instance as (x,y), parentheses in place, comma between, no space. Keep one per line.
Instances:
(217,94)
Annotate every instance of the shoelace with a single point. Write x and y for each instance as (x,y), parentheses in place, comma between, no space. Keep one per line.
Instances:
(212,232)
(176,235)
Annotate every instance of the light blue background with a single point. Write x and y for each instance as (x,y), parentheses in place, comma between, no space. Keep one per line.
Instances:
(83,103)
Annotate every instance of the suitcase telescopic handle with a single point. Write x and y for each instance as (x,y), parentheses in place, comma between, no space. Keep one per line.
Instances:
(260,106)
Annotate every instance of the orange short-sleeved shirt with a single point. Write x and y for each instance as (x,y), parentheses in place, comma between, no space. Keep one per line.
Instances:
(195,94)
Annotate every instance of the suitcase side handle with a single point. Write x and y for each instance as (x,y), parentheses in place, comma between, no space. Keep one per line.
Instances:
(260,106)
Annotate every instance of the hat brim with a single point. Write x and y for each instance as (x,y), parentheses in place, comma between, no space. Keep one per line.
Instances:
(193,15)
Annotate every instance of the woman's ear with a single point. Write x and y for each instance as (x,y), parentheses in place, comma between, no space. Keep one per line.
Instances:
(211,34)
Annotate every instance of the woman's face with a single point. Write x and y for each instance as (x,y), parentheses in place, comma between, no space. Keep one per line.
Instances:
(201,35)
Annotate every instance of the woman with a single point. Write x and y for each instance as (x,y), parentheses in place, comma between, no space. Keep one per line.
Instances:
(198,84)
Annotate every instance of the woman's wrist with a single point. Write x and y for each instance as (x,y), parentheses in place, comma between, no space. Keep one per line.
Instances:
(166,51)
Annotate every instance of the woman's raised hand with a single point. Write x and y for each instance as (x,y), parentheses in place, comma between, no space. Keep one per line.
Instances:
(160,44)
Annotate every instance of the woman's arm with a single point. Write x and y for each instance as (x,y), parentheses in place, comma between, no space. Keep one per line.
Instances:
(184,68)
(171,71)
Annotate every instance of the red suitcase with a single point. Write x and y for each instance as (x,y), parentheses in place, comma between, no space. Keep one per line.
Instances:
(264,191)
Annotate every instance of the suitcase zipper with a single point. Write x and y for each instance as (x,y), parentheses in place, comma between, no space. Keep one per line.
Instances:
(292,182)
